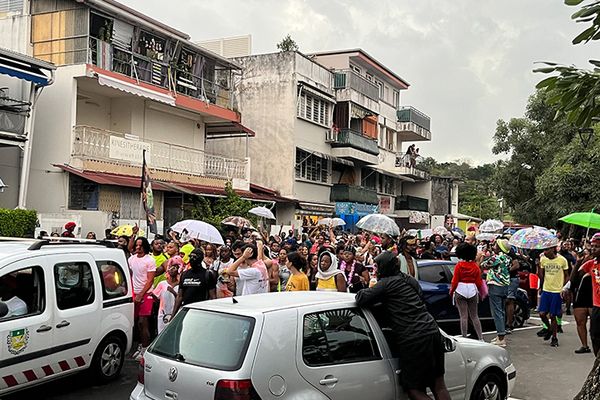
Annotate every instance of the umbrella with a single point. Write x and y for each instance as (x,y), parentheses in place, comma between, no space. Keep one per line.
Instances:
(332,222)
(440,230)
(533,238)
(457,232)
(125,230)
(487,236)
(238,222)
(262,212)
(199,230)
(491,225)
(424,233)
(379,223)
(585,219)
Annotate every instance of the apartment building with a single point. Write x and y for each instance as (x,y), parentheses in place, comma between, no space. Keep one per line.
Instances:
(125,83)
(332,128)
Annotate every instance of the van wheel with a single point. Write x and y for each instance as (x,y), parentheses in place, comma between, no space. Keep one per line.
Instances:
(108,359)
(488,387)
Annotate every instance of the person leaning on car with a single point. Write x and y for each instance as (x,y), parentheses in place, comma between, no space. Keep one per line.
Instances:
(415,334)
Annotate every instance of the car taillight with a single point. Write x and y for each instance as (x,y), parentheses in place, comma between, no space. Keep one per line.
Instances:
(141,367)
(235,390)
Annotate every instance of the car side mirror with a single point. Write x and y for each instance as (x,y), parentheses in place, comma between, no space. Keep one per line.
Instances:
(3,309)
(449,344)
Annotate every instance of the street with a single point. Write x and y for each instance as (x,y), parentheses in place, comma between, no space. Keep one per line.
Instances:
(543,372)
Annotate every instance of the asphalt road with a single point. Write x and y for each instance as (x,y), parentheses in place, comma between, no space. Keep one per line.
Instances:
(543,372)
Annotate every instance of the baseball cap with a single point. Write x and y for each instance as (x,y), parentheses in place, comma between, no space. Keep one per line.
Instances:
(596,237)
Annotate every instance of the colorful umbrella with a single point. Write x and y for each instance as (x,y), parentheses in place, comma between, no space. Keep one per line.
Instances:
(533,239)
(199,230)
(585,219)
(263,212)
(126,230)
(379,223)
(332,221)
(239,222)
(491,225)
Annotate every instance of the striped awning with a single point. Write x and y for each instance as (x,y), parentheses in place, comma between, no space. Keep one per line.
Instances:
(134,89)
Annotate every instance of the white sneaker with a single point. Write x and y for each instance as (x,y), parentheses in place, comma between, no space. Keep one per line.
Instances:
(498,342)
(139,356)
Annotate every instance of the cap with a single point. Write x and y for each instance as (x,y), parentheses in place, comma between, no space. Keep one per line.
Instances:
(596,237)
(503,245)
(70,225)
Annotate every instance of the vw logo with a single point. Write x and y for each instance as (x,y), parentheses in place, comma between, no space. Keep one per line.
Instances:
(172,374)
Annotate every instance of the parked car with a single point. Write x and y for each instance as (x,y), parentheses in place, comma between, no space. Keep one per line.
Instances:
(435,279)
(298,345)
(66,308)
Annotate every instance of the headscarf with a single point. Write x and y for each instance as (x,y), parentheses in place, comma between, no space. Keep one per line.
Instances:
(186,249)
(333,269)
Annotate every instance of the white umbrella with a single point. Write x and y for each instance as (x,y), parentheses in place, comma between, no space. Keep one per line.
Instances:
(332,222)
(263,212)
(440,230)
(379,223)
(491,225)
(199,230)
(487,236)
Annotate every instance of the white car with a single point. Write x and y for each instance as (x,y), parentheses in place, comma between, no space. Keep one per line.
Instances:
(299,345)
(64,307)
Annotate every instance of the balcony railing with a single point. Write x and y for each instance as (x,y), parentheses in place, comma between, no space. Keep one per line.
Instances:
(409,165)
(355,194)
(412,120)
(136,66)
(349,79)
(99,144)
(350,138)
(412,203)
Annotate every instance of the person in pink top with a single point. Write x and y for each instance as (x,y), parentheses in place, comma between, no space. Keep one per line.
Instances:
(467,287)
(143,268)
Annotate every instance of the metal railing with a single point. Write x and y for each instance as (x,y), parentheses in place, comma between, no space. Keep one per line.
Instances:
(350,79)
(411,114)
(409,165)
(412,127)
(94,143)
(349,138)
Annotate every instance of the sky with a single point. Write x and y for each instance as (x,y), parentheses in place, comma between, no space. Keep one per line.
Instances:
(469,63)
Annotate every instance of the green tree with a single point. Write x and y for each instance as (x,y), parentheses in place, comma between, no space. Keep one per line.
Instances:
(287,44)
(230,205)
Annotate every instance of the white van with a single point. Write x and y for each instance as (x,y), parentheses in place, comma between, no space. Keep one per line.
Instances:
(64,307)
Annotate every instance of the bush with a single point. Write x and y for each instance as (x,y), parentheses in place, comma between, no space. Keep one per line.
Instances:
(17,223)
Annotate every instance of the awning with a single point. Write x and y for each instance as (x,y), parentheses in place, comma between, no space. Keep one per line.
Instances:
(329,157)
(24,67)
(220,130)
(134,89)
(307,208)
(391,172)
(466,217)
(316,92)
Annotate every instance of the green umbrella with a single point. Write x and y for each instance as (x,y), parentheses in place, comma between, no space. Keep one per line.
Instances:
(585,219)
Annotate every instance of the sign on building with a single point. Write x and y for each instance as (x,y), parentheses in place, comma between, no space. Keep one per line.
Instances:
(129,150)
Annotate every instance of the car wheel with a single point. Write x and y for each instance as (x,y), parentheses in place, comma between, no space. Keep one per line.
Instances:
(518,316)
(108,359)
(488,387)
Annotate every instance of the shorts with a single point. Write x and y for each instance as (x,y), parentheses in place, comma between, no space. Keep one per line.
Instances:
(513,286)
(595,323)
(550,303)
(584,294)
(144,308)
(421,362)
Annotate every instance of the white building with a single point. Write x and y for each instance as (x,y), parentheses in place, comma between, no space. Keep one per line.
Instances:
(125,82)
(332,128)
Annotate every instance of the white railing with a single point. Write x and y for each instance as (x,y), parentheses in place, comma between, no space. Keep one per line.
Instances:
(408,165)
(95,144)
(412,127)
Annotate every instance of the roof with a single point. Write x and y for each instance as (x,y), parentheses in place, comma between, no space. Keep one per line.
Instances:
(366,55)
(465,216)
(20,247)
(267,302)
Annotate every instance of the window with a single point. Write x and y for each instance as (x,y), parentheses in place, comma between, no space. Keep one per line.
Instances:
(369,178)
(369,77)
(23,292)
(74,285)
(396,101)
(11,6)
(355,68)
(380,87)
(311,167)
(433,274)
(113,280)
(386,95)
(337,337)
(313,109)
(386,184)
(390,145)
(83,194)
(226,336)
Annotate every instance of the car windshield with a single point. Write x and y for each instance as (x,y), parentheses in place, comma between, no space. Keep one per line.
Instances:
(208,339)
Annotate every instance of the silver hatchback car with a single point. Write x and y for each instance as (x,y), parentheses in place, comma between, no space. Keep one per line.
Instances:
(299,345)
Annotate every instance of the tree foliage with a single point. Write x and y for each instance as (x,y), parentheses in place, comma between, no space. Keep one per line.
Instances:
(288,44)
(230,205)
(17,223)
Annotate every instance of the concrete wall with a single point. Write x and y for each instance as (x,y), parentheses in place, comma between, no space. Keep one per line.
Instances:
(312,192)
(417,189)
(14,33)
(440,196)
(335,61)
(10,167)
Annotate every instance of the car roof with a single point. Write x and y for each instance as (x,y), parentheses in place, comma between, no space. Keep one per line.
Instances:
(423,263)
(11,251)
(269,302)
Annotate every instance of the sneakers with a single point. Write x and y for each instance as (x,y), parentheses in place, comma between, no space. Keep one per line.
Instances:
(498,342)
(583,350)
(554,342)
(542,332)
(559,329)
(548,335)
(140,354)
(508,331)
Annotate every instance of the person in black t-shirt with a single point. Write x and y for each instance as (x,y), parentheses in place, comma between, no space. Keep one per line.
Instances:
(195,284)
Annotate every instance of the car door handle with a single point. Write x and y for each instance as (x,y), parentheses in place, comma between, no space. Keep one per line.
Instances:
(44,328)
(63,323)
(328,380)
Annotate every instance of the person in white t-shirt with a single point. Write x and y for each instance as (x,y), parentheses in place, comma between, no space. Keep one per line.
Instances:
(255,277)
(166,292)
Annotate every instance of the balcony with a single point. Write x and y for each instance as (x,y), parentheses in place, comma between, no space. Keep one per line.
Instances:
(411,203)
(13,114)
(413,125)
(350,86)
(410,167)
(353,194)
(347,143)
(94,144)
